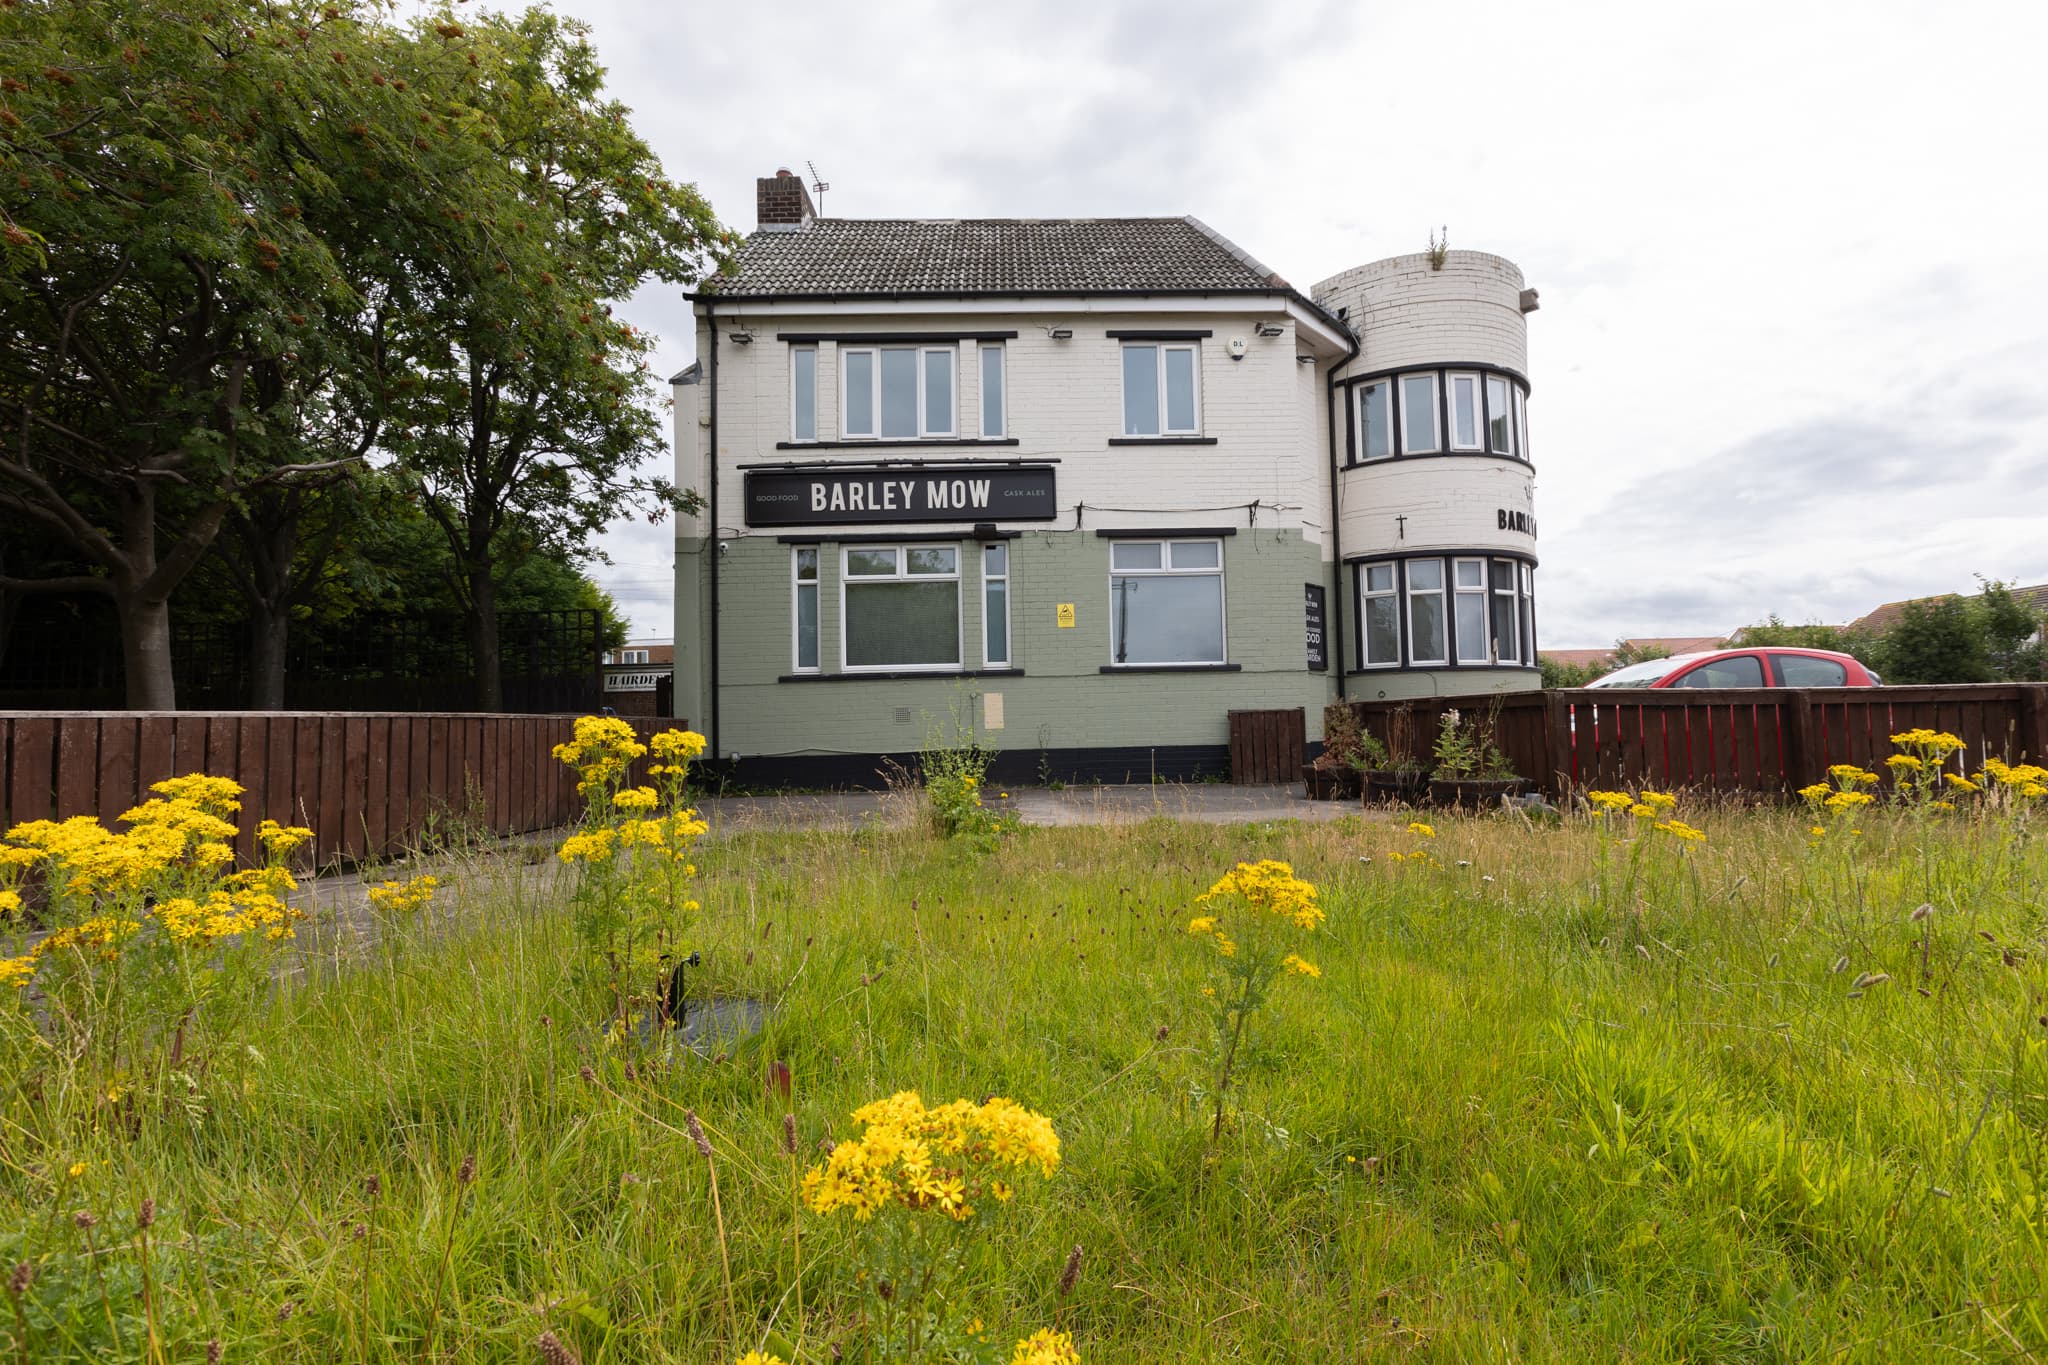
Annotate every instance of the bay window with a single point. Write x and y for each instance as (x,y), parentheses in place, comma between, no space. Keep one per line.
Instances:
(1438,412)
(897,393)
(1161,389)
(1166,602)
(1446,611)
(900,607)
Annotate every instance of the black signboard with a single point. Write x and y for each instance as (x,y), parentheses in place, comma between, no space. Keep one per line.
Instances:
(857,497)
(1318,651)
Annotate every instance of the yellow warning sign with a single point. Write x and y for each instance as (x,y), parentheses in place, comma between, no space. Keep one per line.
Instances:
(1066,615)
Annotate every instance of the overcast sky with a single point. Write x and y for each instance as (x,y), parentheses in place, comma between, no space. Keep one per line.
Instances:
(1792,354)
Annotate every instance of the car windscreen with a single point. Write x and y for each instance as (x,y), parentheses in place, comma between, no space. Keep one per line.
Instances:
(1639,675)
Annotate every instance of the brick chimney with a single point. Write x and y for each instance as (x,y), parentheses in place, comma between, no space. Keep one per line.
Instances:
(780,200)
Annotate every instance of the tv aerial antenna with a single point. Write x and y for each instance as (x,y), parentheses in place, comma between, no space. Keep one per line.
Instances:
(818,187)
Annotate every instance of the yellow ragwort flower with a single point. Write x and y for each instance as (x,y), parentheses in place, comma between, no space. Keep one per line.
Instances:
(1416,827)
(1300,966)
(1046,1347)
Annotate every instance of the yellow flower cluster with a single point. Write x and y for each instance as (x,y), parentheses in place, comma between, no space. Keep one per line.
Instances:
(1644,807)
(2028,779)
(1299,966)
(402,898)
(1207,924)
(636,799)
(1271,888)
(1937,744)
(1046,1347)
(1420,830)
(1678,829)
(227,914)
(601,751)
(593,846)
(675,749)
(759,1358)
(939,1160)
(281,839)
(10,901)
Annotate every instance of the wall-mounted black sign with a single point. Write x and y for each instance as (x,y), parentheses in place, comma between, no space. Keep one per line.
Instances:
(1318,652)
(867,497)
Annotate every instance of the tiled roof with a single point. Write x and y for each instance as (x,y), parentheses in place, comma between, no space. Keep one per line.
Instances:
(885,256)
(1887,616)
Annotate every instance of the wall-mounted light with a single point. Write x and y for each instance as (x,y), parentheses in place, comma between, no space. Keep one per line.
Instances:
(1304,360)
(1060,333)
(742,338)
(1271,329)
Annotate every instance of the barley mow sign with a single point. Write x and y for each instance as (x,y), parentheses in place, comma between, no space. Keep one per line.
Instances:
(852,497)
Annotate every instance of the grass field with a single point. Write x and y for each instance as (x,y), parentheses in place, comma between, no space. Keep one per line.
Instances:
(1562,1093)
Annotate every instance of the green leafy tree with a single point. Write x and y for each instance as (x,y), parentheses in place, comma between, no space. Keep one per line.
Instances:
(1774,630)
(1937,640)
(182,184)
(2013,634)
(527,407)
(1558,674)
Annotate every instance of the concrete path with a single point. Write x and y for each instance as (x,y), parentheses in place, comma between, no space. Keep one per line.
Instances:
(1204,802)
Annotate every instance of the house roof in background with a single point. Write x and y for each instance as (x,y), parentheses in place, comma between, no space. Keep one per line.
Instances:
(941,256)
(1885,617)
(1641,644)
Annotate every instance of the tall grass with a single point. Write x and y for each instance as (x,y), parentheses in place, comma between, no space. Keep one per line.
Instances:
(1559,1095)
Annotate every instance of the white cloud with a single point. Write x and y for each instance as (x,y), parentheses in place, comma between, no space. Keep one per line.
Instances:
(1792,328)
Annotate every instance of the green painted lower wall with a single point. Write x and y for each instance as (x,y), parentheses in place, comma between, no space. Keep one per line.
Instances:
(1062,700)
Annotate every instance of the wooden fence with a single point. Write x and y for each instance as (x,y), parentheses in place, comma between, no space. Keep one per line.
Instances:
(1769,741)
(1266,746)
(368,785)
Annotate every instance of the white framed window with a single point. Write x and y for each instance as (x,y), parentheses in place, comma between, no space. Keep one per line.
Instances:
(1464,424)
(803,616)
(1507,638)
(803,393)
(1521,423)
(1166,602)
(1528,616)
(995,606)
(899,607)
(994,395)
(1426,634)
(1500,419)
(1376,420)
(1379,614)
(1162,389)
(898,393)
(1468,582)
(1419,414)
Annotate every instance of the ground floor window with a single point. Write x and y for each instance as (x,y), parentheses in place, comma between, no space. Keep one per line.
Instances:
(1166,602)
(900,606)
(995,605)
(1443,611)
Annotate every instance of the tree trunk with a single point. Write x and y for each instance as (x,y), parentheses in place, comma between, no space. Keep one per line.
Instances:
(269,631)
(483,638)
(146,653)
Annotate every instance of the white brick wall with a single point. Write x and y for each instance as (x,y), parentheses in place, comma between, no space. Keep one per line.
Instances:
(1451,503)
(1407,314)
(1065,404)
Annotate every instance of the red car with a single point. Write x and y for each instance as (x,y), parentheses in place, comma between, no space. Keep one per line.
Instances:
(1771,666)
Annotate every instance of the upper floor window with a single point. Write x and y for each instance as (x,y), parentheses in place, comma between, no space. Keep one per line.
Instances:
(1436,412)
(1499,417)
(803,393)
(994,396)
(1376,419)
(1161,389)
(897,393)
(1418,414)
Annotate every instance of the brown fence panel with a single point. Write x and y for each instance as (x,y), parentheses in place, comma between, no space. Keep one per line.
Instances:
(1267,746)
(117,788)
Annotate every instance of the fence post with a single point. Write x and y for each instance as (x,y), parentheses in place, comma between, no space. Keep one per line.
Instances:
(1557,743)
(1797,709)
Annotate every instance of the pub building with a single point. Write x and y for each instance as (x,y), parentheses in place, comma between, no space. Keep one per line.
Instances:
(1085,486)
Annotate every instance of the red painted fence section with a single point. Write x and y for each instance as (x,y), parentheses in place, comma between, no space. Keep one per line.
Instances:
(1765,741)
(368,785)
